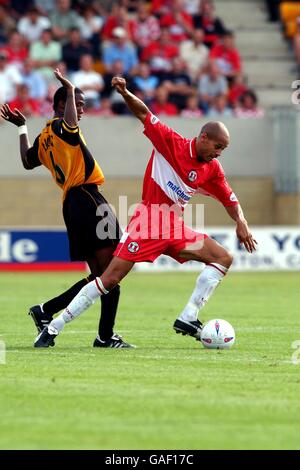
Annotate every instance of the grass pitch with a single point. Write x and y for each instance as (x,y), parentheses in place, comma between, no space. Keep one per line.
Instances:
(169,393)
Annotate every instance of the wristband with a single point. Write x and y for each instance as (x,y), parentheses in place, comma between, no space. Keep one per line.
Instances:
(22,129)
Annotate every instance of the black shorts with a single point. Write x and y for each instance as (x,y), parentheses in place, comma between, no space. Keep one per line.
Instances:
(90,222)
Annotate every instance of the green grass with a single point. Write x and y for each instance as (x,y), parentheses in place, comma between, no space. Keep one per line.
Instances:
(169,393)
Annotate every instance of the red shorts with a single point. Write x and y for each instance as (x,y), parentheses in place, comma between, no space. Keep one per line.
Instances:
(147,244)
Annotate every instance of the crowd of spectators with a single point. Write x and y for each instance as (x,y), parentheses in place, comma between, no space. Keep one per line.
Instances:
(177,56)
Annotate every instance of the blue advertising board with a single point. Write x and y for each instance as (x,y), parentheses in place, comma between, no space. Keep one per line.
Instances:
(35,248)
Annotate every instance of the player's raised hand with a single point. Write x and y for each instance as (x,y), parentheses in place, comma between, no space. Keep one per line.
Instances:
(63,80)
(119,83)
(15,116)
(245,237)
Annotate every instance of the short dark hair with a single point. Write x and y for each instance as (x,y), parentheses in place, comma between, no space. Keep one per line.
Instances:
(61,95)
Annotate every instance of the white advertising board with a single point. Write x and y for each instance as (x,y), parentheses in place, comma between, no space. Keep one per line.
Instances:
(278,249)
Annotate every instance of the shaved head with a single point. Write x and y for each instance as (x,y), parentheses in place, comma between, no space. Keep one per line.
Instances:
(212,140)
(215,130)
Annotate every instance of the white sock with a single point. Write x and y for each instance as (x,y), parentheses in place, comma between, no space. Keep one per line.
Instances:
(83,300)
(206,283)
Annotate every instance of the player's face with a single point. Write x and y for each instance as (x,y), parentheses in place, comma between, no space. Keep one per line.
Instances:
(79,101)
(212,148)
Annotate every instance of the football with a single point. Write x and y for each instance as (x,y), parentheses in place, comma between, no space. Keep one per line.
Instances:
(217,334)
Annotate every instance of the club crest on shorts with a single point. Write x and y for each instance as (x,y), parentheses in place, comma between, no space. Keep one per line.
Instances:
(133,247)
(192,176)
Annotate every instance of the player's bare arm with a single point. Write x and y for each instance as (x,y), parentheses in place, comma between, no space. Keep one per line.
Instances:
(70,114)
(242,230)
(18,119)
(136,106)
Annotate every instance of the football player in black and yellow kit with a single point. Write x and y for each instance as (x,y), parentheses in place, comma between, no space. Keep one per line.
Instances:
(61,148)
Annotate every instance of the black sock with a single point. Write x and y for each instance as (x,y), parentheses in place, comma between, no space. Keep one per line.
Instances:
(109,306)
(62,301)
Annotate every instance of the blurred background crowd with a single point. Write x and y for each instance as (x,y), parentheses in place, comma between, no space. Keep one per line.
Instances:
(178,56)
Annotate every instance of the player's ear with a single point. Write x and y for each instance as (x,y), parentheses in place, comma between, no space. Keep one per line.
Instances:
(203,137)
(61,106)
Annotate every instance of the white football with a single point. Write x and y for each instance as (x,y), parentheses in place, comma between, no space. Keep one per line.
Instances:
(217,334)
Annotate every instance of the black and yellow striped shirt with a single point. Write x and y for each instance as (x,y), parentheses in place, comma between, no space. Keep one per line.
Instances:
(62,149)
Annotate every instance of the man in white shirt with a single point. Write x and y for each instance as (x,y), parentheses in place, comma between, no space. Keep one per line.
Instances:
(89,81)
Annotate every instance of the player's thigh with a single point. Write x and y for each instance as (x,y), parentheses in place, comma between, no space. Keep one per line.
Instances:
(207,251)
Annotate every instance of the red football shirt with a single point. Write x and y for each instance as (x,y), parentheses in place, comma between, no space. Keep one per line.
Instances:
(174,174)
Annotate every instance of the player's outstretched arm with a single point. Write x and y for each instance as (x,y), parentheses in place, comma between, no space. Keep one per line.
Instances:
(17,118)
(136,106)
(242,230)
(70,114)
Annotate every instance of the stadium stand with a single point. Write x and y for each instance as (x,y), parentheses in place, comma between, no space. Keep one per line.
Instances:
(154,32)
(268,59)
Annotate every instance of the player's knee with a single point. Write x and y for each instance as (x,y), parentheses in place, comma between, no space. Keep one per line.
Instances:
(226,259)
(111,280)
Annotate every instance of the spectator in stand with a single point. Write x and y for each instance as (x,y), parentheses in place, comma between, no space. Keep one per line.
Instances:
(131,5)
(179,22)
(90,27)
(192,109)
(28,106)
(237,88)
(248,107)
(120,49)
(19,8)
(46,106)
(226,55)
(89,81)
(104,7)
(117,70)
(195,53)
(159,54)
(73,50)
(146,27)
(219,108)
(117,102)
(45,7)
(118,18)
(273,9)
(34,80)
(212,26)
(145,84)
(106,108)
(161,7)
(45,54)
(178,83)
(15,49)
(7,24)
(63,19)
(211,84)
(32,24)
(9,79)
(191,7)
(161,105)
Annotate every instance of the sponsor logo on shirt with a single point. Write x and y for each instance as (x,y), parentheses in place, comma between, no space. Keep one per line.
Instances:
(180,193)
(133,247)
(233,197)
(192,175)
(154,119)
